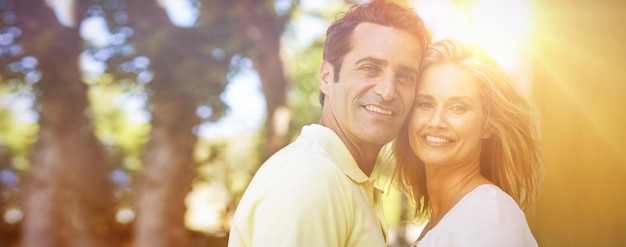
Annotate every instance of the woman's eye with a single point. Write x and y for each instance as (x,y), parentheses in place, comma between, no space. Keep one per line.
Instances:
(458,109)
(424,105)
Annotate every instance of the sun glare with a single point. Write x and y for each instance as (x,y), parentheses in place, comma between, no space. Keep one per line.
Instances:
(502,28)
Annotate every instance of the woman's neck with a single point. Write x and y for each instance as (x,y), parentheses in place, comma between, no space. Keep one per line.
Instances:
(445,191)
(446,187)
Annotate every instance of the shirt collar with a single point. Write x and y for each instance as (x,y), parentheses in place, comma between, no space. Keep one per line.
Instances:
(337,150)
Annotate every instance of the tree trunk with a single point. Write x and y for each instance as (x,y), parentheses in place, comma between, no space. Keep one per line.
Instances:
(168,170)
(264,28)
(270,68)
(46,222)
(7,233)
(168,165)
(69,199)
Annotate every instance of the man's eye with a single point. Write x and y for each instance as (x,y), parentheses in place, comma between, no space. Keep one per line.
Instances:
(405,77)
(369,68)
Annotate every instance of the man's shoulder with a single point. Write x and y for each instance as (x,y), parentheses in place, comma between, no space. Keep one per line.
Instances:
(297,170)
(293,164)
(305,153)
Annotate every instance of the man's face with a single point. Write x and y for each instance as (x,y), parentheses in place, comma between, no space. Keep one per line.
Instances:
(376,86)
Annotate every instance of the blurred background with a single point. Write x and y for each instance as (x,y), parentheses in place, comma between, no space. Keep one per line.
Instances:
(141,122)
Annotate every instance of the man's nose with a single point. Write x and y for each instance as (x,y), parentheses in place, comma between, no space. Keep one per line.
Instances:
(386,88)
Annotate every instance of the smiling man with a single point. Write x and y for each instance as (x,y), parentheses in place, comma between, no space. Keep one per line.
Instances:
(317,191)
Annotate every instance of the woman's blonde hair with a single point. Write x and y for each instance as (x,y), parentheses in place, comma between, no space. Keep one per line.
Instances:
(511,158)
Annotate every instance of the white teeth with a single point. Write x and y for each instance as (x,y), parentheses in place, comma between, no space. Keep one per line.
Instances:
(378,110)
(437,139)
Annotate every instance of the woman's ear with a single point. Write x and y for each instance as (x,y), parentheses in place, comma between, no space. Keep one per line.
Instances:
(487,130)
(326,77)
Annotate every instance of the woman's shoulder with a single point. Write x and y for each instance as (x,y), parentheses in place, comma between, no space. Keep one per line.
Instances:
(486,216)
(488,202)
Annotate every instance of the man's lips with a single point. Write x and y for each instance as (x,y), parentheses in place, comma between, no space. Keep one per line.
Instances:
(377,109)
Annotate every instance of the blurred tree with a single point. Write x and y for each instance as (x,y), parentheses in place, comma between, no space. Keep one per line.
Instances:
(303,93)
(15,138)
(263,23)
(183,68)
(179,69)
(7,234)
(68,200)
(178,86)
(15,134)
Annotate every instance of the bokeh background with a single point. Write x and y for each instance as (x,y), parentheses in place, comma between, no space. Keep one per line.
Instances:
(141,122)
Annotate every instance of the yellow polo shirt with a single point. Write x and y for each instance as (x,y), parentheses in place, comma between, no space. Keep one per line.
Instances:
(310,193)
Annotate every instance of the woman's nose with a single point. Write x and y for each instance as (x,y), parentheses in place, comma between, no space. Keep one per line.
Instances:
(437,120)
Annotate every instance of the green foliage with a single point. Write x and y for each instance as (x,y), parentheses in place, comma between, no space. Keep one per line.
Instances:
(304,62)
(15,134)
(114,125)
(303,93)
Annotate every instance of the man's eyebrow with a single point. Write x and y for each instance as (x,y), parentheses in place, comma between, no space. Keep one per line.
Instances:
(423,96)
(408,69)
(378,61)
(374,60)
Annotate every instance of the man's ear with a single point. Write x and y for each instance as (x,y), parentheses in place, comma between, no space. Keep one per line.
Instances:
(327,77)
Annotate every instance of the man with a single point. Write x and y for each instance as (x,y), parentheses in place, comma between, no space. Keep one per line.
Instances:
(317,191)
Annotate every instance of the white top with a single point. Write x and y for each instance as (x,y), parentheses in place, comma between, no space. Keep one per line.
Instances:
(310,193)
(486,216)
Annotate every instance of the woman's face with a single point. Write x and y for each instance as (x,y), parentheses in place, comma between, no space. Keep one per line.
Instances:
(447,123)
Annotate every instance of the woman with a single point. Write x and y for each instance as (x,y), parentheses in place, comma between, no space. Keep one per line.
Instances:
(469,155)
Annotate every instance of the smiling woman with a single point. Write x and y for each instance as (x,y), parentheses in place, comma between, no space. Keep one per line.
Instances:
(470,153)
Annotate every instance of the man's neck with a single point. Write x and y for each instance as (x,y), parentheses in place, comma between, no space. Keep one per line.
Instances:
(365,157)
